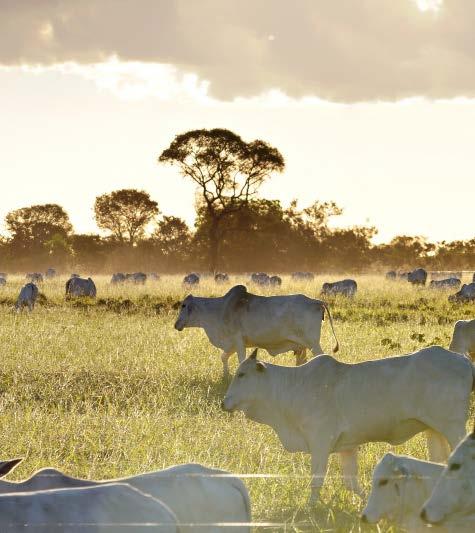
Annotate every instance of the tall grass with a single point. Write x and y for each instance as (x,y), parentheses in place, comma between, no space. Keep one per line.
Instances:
(108,388)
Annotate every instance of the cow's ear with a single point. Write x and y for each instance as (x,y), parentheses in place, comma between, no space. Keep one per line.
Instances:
(8,466)
(260,366)
(253,354)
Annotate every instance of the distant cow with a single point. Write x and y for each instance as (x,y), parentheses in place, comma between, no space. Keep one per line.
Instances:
(221,277)
(139,278)
(240,319)
(74,275)
(196,494)
(403,275)
(473,278)
(97,509)
(118,278)
(399,489)
(391,275)
(191,279)
(302,276)
(417,277)
(3,275)
(154,276)
(77,287)
(326,406)
(463,338)
(275,281)
(3,281)
(260,278)
(27,297)
(453,497)
(35,277)
(50,273)
(465,294)
(449,283)
(346,287)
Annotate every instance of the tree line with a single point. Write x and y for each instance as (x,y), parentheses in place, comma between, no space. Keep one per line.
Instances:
(235,230)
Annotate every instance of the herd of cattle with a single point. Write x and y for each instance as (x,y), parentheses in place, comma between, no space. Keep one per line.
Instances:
(319,407)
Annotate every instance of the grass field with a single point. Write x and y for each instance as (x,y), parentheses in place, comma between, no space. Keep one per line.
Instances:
(109,388)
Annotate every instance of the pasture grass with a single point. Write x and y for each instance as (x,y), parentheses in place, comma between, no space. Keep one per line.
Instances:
(108,388)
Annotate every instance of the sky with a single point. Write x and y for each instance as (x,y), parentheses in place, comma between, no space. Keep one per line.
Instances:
(371,102)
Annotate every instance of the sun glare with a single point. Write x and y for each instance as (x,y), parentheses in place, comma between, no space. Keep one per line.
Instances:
(429,5)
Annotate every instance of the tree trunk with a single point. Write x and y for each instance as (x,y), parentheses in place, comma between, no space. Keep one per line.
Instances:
(214,245)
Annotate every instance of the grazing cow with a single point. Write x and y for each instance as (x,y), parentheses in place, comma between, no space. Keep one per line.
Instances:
(221,277)
(346,287)
(463,338)
(118,278)
(86,509)
(50,273)
(399,489)
(326,406)
(275,281)
(35,277)
(302,276)
(77,287)
(3,281)
(465,294)
(191,279)
(195,493)
(391,275)
(139,278)
(417,277)
(449,283)
(240,319)
(453,497)
(27,297)
(260,278)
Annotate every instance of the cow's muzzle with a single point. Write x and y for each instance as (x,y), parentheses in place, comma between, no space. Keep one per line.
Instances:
(425,518)
(178,326)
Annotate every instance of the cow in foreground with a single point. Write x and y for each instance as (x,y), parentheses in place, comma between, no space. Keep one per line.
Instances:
(27,297)
(399,488)
(453,497)
(326,406)
(195,493)
(465,294)
(78,287)
(417,277)
(345,287)
(107,508)
(463,338)
(239,320)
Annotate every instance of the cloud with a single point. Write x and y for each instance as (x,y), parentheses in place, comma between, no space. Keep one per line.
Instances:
(345,50)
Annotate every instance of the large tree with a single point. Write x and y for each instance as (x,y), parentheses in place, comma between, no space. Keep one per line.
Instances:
(227,170)
(125,213)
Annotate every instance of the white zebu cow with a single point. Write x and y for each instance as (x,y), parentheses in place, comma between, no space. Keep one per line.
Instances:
(399,489)
(453,497)
(139,278)
(465,294)
(345,287)
(50,273)
(3,281)
(77,287)
(239,320)
(195,493)
(191,279)
(35,277)
(118,278)
(103,509)
(417,277)
(449,283)
(326,406)
(463,338)
(27,297)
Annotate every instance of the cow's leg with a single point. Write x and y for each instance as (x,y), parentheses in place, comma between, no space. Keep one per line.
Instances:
(241,350)
(316,348)
(454,433)
(438,446)
(349,467)
(225,358)
(319,471)
(300,356)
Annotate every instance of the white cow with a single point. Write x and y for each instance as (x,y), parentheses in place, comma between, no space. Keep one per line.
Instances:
(87,509)
(449,283)
(453,497)
(326,406)
(417,277)
(463,338)
(465,294)
(27,297)
(77,287)
(191,279)
(3,281)
(118,278)
(240,319)
(345,287)
(399,489)
(195,493)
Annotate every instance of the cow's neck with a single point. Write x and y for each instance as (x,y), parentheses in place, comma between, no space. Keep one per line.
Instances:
(207,308)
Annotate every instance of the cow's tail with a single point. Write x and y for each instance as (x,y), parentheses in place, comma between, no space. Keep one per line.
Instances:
(327,309)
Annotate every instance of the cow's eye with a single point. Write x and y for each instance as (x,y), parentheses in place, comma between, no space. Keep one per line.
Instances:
(454,466)
(241,375)
(183,306)
(383,482)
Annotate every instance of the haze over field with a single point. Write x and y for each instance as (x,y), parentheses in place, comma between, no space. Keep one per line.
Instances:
(372,105)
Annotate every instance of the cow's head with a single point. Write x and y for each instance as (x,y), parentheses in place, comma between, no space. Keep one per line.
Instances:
(8,466)
(185,316)
(387,489)
(245,385)
(454,492)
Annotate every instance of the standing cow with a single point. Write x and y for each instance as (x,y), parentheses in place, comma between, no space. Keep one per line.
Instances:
(417,277)
(275,281)
(464,295)
(260,278)
(3,281)
(50,273)
(391,275)
(463,338)
(346,287)
(191,279)
(27,297)
(35,277)
(449,283)
(326,406)
(221,277)
(77,287)
(239,320)
(118,278)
